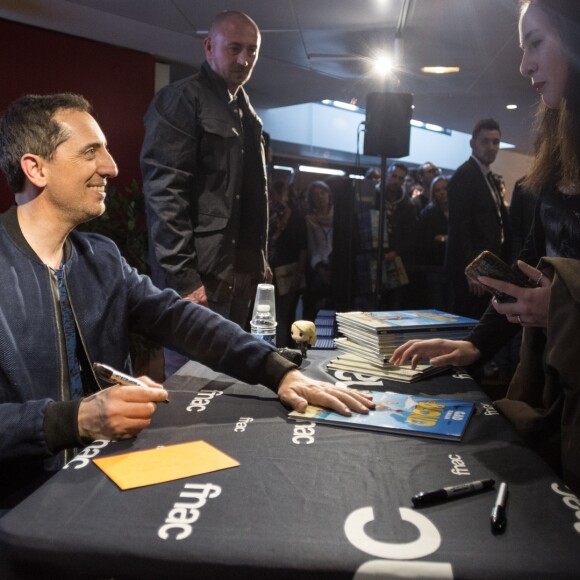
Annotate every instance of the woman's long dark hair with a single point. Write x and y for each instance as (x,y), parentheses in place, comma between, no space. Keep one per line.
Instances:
(557,145)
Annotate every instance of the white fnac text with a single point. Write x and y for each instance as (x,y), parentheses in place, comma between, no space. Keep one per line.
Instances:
(242,424)
(304,433)
(570,501)
(461,375)
(202,400)
(396,557)
(459,467)
(348,379)
(83,458)
(489,409)
(183,515)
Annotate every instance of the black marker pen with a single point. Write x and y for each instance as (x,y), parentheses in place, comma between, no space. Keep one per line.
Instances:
(497,516)
(452,491)
(112,375)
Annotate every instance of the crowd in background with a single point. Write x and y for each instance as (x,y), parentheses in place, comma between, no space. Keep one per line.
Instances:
(301,230)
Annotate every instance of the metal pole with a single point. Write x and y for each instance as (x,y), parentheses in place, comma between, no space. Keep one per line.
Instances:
(381,232)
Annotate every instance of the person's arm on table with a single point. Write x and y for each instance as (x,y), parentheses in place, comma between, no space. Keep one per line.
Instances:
(439,351)
(207,337)
(297,390)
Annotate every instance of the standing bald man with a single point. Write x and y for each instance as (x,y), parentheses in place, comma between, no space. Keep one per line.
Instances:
(204,178)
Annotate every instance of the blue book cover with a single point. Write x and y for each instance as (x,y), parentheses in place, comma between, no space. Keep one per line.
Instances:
(402,414)
(400,321)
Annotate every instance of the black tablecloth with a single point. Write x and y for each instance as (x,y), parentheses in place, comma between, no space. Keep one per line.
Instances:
(306,501)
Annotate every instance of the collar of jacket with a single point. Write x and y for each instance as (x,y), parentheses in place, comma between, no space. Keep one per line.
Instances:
(219,85)
(10,221)
(220,88)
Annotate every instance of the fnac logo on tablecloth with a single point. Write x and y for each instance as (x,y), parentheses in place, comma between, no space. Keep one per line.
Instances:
(242,423)
(83,458)
(303,433)
(570,501)
(350,379)
(202,400)
(395,557)
(489,409)
(179,522)
(459,466)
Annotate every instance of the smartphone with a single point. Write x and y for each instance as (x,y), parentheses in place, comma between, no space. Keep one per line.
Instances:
(488,264)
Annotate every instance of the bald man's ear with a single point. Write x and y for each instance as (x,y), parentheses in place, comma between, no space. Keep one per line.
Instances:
(207,46)
(34,169)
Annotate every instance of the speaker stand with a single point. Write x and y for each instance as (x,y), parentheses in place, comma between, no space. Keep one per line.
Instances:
(381,232)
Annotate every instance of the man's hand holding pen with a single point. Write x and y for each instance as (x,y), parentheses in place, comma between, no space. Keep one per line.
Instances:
(121,411)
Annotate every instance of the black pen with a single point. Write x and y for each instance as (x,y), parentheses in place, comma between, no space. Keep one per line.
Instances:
(112,375)
(497,517)
(452,491)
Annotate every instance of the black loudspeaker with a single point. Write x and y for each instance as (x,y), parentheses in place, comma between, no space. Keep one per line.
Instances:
(387,126)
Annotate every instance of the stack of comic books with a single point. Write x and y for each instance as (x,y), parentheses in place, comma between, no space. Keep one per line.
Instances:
(369,339)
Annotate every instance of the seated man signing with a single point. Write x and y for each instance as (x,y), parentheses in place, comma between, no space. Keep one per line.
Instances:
(70,299)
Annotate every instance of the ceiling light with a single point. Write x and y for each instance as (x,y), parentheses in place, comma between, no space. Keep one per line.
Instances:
(440,70)
(435,128)
(340,105)
(283,168)
(333,57)
(511,107)
(383,65)
(430,127)
(321,170)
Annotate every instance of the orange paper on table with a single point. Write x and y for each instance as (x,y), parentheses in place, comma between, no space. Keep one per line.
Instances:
(151,466)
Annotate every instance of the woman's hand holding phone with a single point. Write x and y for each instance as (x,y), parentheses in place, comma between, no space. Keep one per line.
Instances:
(529,306)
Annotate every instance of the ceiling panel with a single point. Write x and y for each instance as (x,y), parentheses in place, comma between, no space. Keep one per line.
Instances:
(269,15)
(316,49)
(343,15)
(162,14)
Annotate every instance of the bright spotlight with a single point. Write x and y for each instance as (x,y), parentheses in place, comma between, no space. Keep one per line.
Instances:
(383,65)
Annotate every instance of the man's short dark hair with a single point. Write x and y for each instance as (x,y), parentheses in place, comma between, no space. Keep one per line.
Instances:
(485,125)
(394,166)
(421,170)
(28,126)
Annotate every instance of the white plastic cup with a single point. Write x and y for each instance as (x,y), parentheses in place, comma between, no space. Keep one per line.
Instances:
(265,297)
(263,323)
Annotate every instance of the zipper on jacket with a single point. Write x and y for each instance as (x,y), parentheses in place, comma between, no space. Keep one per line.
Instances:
(81,338)
(64,393)
(61,340)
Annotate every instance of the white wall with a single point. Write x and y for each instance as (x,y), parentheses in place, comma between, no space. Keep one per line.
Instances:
(327,127)
(512,166)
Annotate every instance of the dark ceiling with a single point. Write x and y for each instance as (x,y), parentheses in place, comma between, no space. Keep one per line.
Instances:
(320,49)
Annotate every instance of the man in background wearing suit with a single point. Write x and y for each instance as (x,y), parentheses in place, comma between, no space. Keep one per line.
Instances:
(478,219)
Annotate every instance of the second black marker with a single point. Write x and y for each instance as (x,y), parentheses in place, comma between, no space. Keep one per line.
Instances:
(452,491)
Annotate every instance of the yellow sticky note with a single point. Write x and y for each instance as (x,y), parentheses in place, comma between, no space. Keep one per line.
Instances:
(151,466)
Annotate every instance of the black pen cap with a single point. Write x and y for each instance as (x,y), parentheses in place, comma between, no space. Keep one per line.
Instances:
(428,496)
